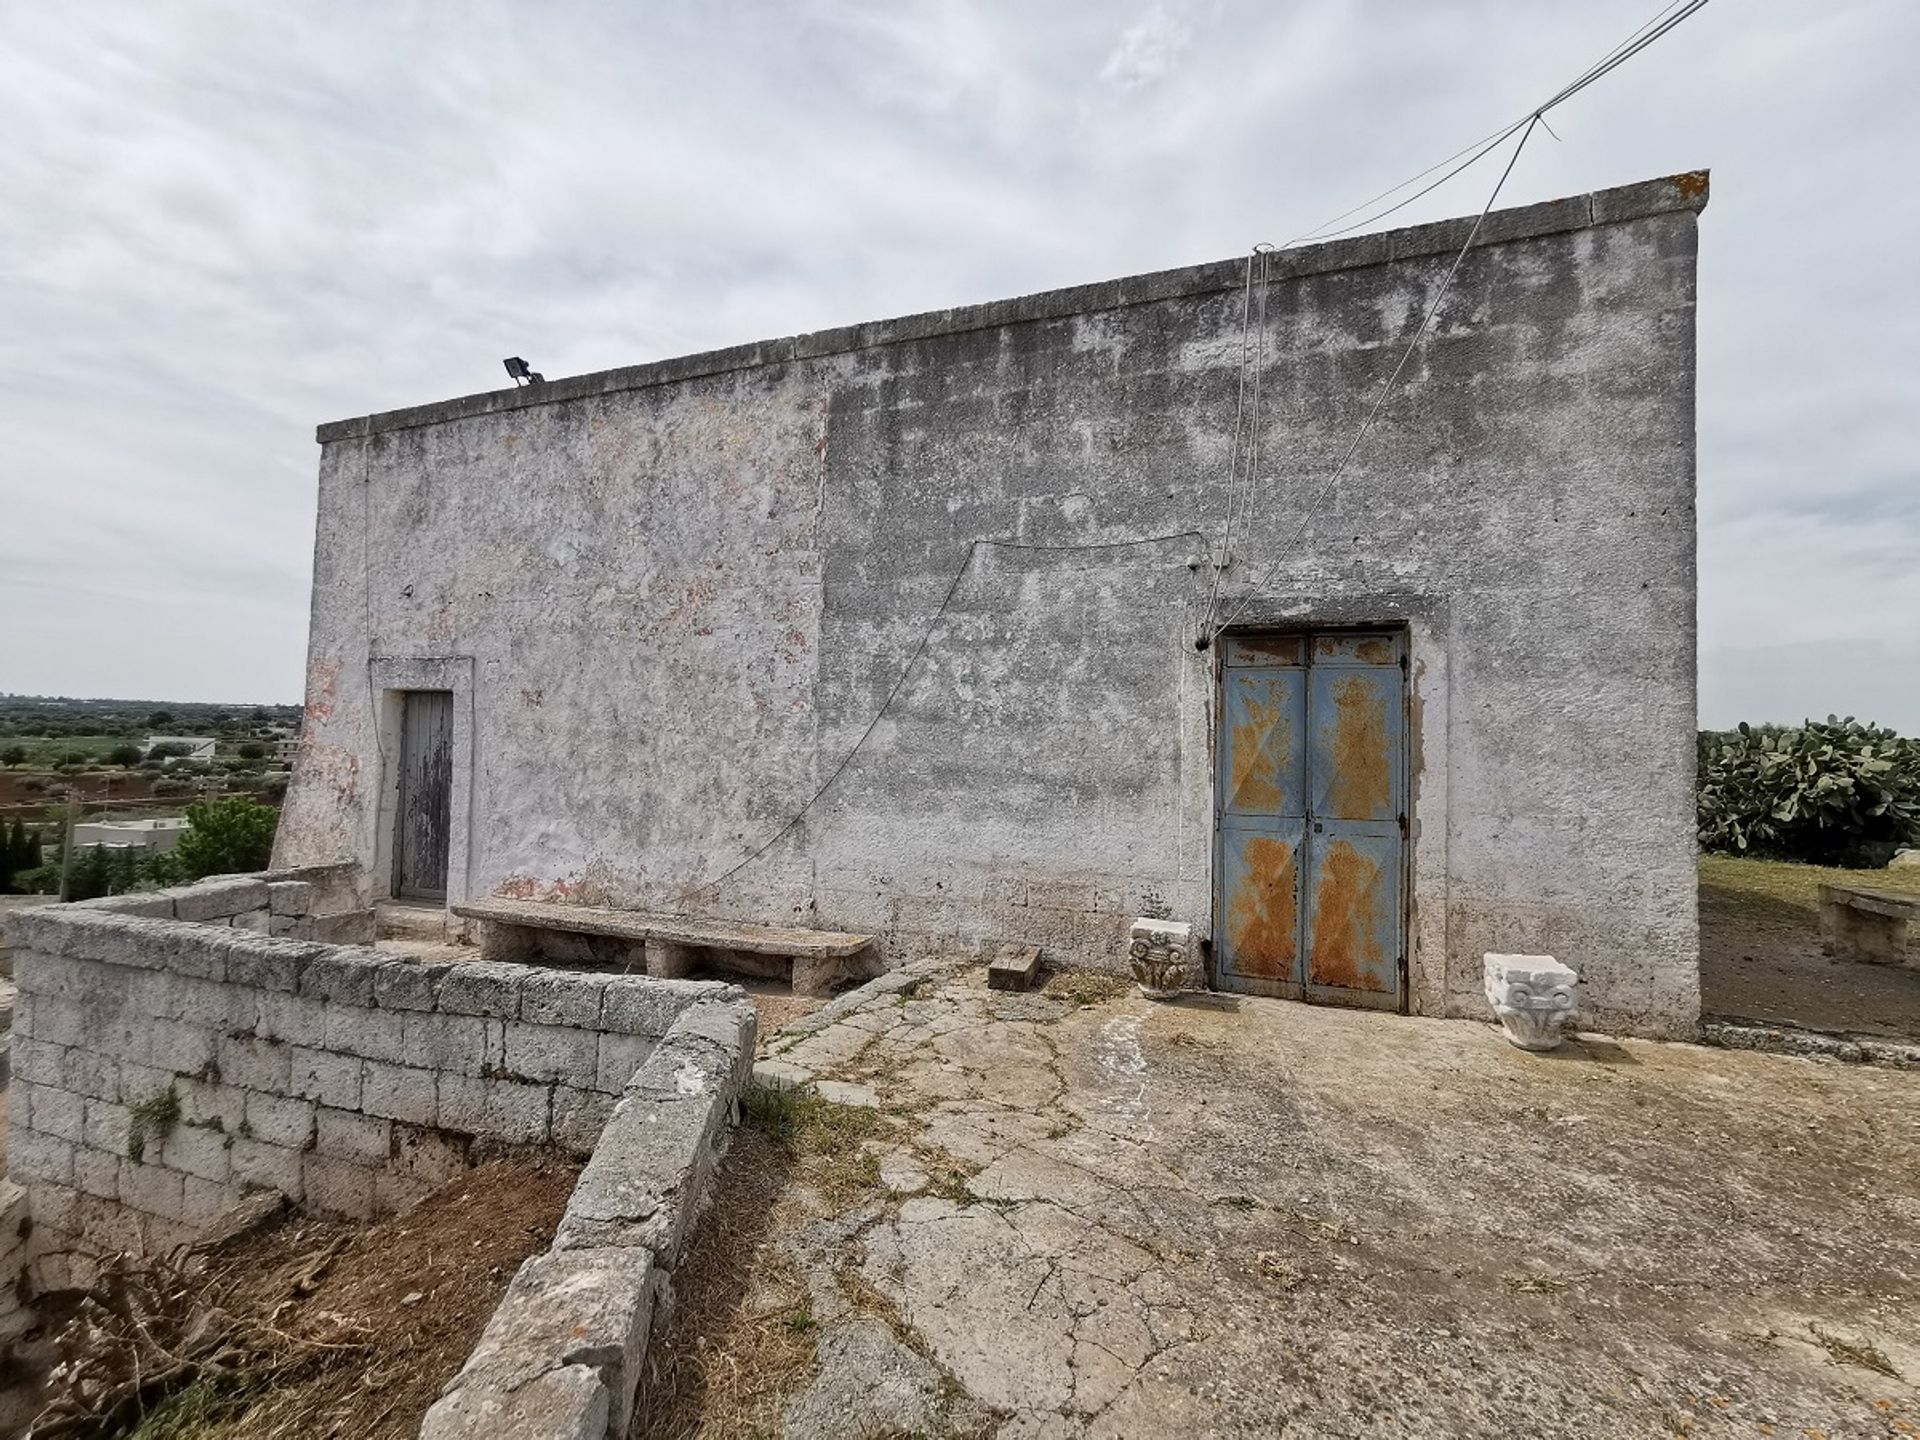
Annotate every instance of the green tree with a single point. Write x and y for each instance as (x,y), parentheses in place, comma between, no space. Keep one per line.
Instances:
(170,750)
(125,756)
(251,750)
(159,720)
(226,836)
(13,755)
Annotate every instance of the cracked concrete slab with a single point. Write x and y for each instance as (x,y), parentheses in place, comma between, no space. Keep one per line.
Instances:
(1248,1217)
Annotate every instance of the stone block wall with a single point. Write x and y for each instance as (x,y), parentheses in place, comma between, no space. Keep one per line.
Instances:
(562,1355)
(164,1068)
(308,902)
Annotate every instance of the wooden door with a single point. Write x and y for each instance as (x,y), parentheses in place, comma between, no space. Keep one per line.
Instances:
(423,816)
(1310,818)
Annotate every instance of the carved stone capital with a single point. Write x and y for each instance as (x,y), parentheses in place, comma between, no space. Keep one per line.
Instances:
(1535,996)
(1159,954)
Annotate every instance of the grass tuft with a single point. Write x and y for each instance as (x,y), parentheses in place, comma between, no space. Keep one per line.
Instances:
(151,1119)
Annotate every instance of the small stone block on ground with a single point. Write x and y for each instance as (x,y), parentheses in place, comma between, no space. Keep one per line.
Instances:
(1016,967)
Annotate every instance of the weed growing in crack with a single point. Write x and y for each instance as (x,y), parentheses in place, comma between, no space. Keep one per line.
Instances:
(152,1119)
(827,1136)
(1861,1353)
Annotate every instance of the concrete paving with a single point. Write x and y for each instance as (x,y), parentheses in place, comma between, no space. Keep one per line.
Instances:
(1094,1215)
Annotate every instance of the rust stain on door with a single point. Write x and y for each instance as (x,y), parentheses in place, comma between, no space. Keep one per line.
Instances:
(1260,738)
(1362,779)
(1346,947)
(1263,922)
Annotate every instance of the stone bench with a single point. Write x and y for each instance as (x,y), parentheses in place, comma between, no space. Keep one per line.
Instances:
(1859,923)
(669,947)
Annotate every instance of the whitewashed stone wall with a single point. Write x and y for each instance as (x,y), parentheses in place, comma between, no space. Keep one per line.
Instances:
(164,1069)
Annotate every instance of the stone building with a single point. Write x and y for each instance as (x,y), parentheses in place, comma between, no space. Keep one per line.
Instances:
(604,638)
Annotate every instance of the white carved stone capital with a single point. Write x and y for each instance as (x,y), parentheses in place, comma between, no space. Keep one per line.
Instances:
(1159,954)
(1534,996)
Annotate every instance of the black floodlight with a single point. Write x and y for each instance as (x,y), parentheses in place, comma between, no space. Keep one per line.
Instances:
(517,368)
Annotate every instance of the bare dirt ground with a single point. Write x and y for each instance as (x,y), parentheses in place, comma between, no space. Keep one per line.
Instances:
(379,1316)
(1081,1213)
(1760,956)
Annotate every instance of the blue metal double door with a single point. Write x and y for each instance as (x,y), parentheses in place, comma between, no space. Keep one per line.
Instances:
(1311,818)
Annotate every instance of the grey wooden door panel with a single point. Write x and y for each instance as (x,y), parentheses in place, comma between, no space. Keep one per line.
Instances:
(423,819)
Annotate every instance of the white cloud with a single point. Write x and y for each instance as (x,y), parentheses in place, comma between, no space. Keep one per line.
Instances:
(221,223)
(1147,50)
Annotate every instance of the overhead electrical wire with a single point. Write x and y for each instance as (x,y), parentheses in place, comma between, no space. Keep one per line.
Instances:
(1669,16)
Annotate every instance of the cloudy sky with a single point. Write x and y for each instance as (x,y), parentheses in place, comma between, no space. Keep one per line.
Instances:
(223,223)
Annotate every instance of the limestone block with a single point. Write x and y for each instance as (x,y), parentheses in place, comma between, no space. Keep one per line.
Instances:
(483,987)
(669,960)
(253,1063)
(256,921)
(781,1075)
(1905,860)
(465,1044)
(343,976)
(109,1125)
(500,941)
(322,1075)
(289,897)
(292,1018)
(505,1110)
(570,1403)
(376,1034)
(96,1173)
(1534,996)
(198,1151)
(560,998)
(708,1050)
(636,1006)
(153,1189)
(620,1058)
(279,1120)
(550,1052)
(397,1092)
(427,1155)
(268,1167)
(579,1118)
(270,963)
(347,1136)
(155,906)
(1854,931)
(219,899)
(1160,954)
(59,1113)
(408,987)
(350,927)
(587,1308)
(643,1182)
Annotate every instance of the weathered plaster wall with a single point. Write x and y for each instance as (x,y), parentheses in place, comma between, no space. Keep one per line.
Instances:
(684,591)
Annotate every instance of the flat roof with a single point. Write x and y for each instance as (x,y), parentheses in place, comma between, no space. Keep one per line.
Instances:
(1684,191)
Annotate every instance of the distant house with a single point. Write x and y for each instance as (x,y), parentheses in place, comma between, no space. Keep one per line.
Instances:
(199,747)
(286,748)
(155,835)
